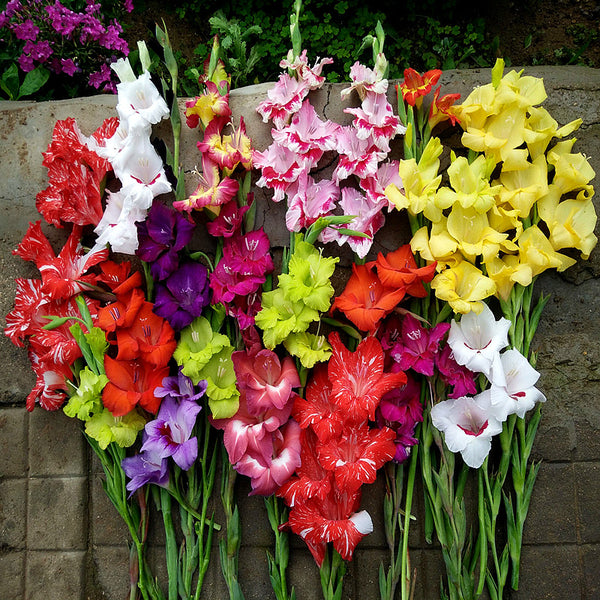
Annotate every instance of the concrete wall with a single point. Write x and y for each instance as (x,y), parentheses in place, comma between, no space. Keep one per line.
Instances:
(61,539)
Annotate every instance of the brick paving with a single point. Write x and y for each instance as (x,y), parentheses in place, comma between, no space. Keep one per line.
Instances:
(60,537)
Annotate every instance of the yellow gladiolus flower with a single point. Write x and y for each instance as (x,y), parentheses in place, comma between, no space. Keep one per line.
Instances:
(420,181)
(470,185)
(572,226)
(463,286)
(536,251)
(473,233)
(507,271)
(440,247)
(523,188)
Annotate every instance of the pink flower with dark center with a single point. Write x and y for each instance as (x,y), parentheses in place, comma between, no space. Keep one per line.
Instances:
(453,374)
(279,168)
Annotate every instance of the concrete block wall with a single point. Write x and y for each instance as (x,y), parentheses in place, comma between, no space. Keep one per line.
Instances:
(60,537)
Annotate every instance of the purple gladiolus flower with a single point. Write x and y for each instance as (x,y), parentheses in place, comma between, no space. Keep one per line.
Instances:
(181,387)
(183,295)
(161,236)
(145,467)
(170,434)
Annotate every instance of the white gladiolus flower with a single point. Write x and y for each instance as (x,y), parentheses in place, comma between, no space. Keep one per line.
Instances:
(467,428)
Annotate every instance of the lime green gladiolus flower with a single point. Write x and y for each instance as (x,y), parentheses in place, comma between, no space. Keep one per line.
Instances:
(87,398)
(309,348)
(106,428)
(221,390)
(463,286)
(280,316)
(198,344)
(308,277)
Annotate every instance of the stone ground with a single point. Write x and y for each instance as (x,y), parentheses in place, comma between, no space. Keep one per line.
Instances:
(61,539)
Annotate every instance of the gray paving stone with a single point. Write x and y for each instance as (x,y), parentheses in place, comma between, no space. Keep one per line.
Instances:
(108,528)
(12,567)
(551,518)
(13,513)
(57,515)
(108,574)
(549,573)
(587,477)
(56,444)
(55,575)
(590,571)
(13,440)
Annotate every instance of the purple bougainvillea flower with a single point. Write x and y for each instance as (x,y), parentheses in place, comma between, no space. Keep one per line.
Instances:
(170,434)
(145,467)
(161,236)
(183,295)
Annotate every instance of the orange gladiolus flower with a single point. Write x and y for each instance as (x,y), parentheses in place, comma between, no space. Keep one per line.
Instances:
(398,269)
(366,300)
(442,109)
(131,383)
(150,338)
(415,86)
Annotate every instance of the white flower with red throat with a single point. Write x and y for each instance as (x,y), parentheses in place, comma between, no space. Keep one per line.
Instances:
(476,341)
(518,395)
(467,428)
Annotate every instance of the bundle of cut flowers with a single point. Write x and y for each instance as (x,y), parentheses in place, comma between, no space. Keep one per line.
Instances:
(418,367)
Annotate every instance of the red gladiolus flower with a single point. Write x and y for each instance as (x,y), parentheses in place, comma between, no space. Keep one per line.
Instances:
(62,275)
(398,269)
(75,174)
(415,86)
(365,299)
(358,378)
(131,383)
(122,313)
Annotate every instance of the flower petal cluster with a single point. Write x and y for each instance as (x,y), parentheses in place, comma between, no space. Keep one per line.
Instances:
(339,451)
(261,439)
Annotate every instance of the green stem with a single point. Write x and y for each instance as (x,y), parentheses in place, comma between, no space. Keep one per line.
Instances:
(410,485)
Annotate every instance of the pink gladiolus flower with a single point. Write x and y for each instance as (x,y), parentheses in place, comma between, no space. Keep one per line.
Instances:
(307,133)
(268,473)
(211,190)
(418,346)
(310,75)
(374,185)
(364,80)
(279,168)
(229,220)
(283,100)
(458,376)
(368,219)
(308,200)
(376,121)
(266,381)
(357,156)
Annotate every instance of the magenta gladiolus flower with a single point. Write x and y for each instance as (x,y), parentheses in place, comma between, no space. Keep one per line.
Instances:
(458,376)
(418,346)
(229,220)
